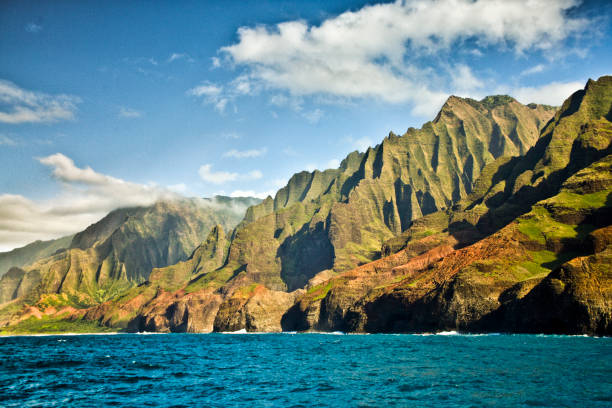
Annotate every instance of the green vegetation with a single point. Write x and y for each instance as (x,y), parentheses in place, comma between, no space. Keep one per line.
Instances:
(118,252)
(573,201)
(214,279)
(319,292)
(542,262)
(246,291)
(48,325)
(535,266)
(59,301)
(540,227)
(493,101)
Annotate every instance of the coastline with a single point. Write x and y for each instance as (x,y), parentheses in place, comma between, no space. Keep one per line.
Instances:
(424,334)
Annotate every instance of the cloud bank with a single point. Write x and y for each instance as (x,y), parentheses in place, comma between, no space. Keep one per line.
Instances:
(127,113)
(244,154)
(86,196)
(222,177)
(376,52)
(18,105)
(549,94)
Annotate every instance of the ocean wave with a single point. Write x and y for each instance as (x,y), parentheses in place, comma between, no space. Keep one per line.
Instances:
(241,331)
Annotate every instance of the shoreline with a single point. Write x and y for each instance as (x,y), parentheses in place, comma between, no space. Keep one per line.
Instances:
(424,334)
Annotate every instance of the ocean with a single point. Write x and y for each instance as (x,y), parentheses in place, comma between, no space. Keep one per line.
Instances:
(305,370)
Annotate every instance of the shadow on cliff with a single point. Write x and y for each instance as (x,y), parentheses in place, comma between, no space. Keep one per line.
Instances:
(506,206)
(304,254)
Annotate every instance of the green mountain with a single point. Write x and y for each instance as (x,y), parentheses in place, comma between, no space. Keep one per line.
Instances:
(120,250)
(331,221)
(322,223)
(32,252)
(528,250)
(493,217)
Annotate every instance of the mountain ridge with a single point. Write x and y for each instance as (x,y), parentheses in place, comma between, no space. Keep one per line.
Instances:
(312,209)
(122,248)
(492,211)
(29,253)
(517,224)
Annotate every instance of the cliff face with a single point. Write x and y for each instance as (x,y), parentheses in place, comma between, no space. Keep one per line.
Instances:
(471,238)
(161,303)
(527,250)
(120,250)
(23,256)
(324,222)
(338,219)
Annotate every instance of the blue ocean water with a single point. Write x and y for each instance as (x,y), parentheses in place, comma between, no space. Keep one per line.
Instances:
(305,370)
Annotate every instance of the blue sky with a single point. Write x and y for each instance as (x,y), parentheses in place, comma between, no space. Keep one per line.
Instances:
(106,104)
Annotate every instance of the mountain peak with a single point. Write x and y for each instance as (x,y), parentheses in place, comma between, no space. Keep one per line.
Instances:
(493,101)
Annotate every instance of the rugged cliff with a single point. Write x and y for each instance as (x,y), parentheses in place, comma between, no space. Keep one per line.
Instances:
(337,219)
(120,250)
(493,217)
(325,222)
(527,250)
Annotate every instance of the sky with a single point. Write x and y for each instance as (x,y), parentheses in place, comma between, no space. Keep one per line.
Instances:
(106,104)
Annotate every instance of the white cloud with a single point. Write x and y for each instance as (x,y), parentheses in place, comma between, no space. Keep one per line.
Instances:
(175,56)
(65,170)
(221,95)
(252,193)
(33,28)
(374,52)
(23,106)
(231,135)
(464,81)
(242,154)
(210,94)
(533,70)
(553,93)
(253,175)
(313,116)
(293,102)
(221,104)
(128,113)
(178,188)
(7,141)
(242,85)
(215,62)
(222,177)
(86,196)
(178,56)
(219,177)
(206,89)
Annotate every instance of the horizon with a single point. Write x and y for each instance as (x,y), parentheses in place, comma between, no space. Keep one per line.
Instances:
(219,99)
